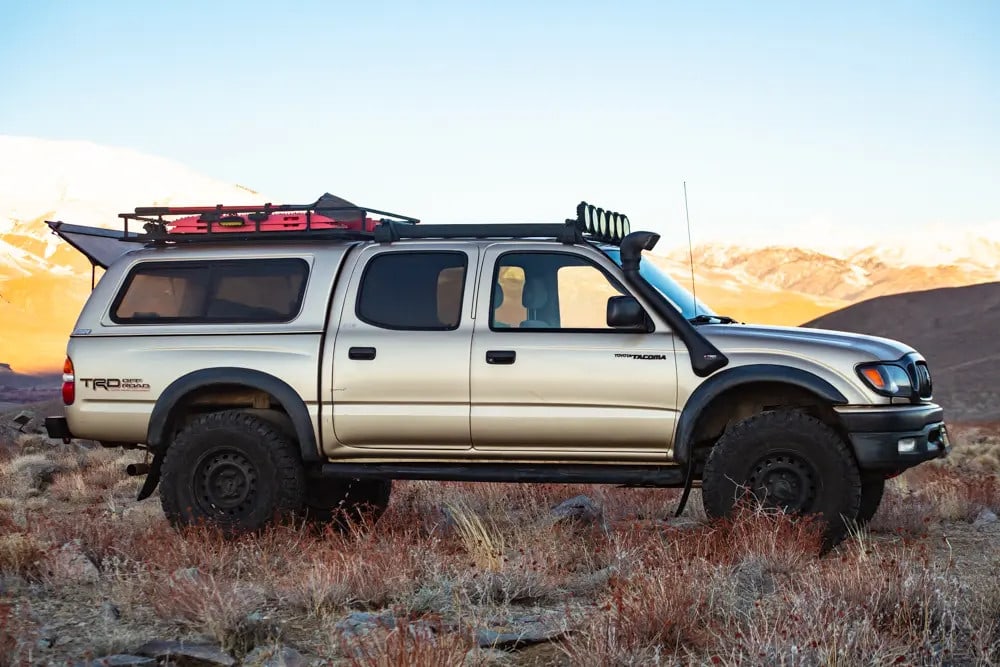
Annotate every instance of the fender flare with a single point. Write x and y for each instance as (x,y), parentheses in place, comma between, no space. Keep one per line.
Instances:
(293,404)
(703,396)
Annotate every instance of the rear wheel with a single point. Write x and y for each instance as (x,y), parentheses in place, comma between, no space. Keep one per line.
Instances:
(232,470)
(342,501)
(784,459)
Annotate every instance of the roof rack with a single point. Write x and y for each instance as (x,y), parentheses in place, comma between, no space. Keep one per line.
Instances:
(329,217)
(333,218)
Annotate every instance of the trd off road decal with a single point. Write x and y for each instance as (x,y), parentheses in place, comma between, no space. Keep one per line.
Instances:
(115,384)
(643,357)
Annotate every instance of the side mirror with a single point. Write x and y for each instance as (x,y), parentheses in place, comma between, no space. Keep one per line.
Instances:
(624,312)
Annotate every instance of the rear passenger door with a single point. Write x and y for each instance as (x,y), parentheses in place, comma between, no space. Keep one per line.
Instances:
(401,355)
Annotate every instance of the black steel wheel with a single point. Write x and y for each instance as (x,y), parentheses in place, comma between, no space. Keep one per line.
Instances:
(226,483)
(784,480)
(232,470)
(784,459)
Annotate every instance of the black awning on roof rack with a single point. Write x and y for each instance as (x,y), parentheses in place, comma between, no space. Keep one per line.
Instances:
(100,246)
(339,208)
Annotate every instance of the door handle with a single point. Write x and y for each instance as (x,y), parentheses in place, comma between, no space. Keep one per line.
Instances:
(361,353)
(500,356)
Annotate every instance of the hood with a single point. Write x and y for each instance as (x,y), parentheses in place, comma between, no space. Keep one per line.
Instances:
(751,337)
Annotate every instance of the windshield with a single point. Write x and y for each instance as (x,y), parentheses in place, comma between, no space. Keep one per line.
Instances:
(665,285)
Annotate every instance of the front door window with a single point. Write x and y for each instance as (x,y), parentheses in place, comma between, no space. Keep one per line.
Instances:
(551,291)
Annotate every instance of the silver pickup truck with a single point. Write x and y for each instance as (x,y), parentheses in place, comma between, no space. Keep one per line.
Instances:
(294,360)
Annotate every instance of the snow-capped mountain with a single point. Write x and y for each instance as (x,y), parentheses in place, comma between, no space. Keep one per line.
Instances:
(84,183)
(43,281)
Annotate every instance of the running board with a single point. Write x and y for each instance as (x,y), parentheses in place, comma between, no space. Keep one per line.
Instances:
(631,475)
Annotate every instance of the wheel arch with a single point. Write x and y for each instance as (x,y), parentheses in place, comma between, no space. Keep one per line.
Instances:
(724,392)
(176,398)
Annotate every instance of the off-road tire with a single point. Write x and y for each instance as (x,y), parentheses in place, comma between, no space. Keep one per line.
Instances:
(872,488)
(232,470)
(785,453)
(344,501)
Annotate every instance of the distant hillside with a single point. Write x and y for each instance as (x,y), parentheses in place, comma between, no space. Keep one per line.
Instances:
(936,258)
(19,388)
(746,298)
(956,328)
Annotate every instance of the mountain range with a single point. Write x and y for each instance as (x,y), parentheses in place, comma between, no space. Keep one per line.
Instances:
(43,282)
(849,274)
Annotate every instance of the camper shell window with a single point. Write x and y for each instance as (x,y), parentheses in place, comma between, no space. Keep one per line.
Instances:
(228,291)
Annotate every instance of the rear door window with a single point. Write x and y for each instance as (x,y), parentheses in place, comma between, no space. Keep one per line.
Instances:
(413,290)
(258,290)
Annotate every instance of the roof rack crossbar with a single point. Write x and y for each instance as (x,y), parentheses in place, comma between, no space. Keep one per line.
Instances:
(568,232)
(216,237)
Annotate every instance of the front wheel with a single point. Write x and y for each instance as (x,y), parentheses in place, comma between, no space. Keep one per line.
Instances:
(788,460)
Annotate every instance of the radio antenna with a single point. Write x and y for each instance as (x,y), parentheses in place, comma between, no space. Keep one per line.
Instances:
(687,216)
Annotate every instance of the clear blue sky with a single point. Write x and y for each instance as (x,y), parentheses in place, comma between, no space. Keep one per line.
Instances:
(875,115)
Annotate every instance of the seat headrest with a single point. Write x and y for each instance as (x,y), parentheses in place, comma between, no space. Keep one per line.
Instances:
(534,295)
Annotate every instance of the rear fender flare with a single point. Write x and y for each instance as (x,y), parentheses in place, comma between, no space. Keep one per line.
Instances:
(166,407)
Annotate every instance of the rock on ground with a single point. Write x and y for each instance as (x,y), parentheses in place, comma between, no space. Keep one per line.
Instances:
(69,563)
(188,652)
(579,508)
(522,631)
(360,623)
(118,660)
(984,519)
(35,471)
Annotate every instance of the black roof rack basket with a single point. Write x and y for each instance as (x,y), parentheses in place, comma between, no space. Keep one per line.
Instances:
(245,222)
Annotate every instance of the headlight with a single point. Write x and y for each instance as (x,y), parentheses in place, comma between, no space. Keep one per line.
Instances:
(887,379)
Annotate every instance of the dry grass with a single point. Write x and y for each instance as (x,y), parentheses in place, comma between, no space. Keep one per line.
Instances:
(448,557)
(724,594)
(976,446)
(421,645)
(230,611)
(480,538)
(20,554)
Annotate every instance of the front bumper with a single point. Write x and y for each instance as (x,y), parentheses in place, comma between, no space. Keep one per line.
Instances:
(893,438)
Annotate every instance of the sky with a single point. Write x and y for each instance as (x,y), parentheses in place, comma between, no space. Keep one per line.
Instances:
(785,119)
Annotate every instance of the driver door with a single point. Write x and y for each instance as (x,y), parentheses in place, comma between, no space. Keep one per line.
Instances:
(548,373)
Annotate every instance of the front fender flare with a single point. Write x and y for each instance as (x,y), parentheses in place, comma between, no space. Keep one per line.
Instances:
(703,396)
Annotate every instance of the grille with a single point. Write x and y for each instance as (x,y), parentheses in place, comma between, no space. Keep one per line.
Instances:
(922,384)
